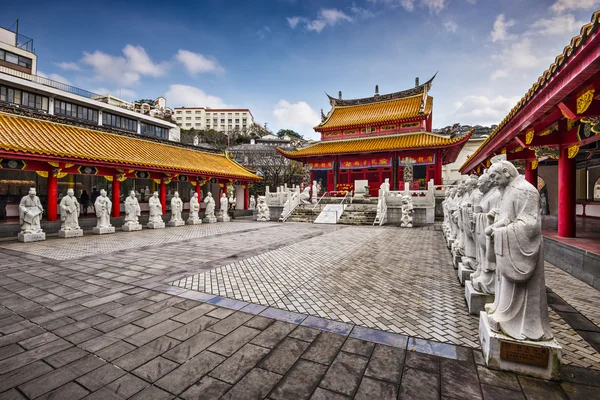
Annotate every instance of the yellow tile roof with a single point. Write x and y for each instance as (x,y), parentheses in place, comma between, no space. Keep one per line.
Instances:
(379,112)
(587,31)
(415,140)
(34,136)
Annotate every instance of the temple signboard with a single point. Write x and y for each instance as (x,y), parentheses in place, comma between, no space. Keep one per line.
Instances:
(422,159)
(365,162)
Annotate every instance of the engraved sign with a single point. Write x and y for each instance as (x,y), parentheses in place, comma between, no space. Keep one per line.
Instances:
(524,354)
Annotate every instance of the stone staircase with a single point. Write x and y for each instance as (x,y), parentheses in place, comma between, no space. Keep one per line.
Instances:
(359,214)
(304,213)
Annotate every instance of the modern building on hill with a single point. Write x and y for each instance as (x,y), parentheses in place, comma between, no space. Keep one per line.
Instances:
(374,138)
(55,136)
(204,118)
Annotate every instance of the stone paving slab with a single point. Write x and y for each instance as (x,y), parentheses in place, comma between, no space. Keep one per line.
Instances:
(77,329)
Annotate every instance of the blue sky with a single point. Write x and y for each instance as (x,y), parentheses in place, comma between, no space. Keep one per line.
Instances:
(278,57)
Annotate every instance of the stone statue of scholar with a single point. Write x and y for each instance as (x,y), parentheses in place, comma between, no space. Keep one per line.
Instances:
(521,309)
(69,211)
(30,217)
(155,220)
(223,206)
(132,213)
(103,208)
(194,218)
(176,210)
(252,203)
(209,212)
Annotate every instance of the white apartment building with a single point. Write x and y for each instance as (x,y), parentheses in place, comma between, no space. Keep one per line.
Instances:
(223,120)
(22,89)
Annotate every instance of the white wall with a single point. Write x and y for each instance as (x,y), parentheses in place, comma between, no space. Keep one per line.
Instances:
(450,172)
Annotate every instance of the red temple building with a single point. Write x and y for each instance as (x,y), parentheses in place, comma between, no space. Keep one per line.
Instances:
(373,138)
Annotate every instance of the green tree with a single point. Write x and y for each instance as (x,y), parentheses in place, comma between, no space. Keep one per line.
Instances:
(290,133)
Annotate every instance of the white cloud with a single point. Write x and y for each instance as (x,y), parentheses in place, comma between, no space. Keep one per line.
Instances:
(563,5)
(126,70)
(327,17)
(294,21)
(297,116)
(190,96)
(450,26)
(483,110)
(518,55)
(360,12)
(408,5)
(559,25)
(263,32)
(196,63)
(68,66)
(500,26)
(434,6)
(499,73)
(54,77)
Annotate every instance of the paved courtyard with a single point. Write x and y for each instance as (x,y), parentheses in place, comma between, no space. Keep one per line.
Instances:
(263,310)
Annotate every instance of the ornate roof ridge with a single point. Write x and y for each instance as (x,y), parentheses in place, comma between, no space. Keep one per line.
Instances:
(418,90)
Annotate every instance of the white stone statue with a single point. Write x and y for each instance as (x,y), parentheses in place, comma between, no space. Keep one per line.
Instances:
(446,224)
(468,226)
(147,191)
(252,204)
(315,192)
(103,208)
(223,206)
(520,310)
(69,216)
(155,220)
(232,201)
(263,210)
(209,212)
(384,189)
(305,196)
(176,210)
(194,218)
(132,213)
(30,217)
(483,279)
(458,247)
(406,220)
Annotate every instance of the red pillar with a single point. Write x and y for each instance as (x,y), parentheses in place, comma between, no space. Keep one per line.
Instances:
(199,191)
(163,196)
(566,194)
(52,211)
(531,174)
(437,176)
(116,197)
(246,196)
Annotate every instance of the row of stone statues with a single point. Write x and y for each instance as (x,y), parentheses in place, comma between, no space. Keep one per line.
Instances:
(492,224)
(30,214)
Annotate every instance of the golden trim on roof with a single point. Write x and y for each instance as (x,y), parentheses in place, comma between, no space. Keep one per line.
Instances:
(415,140)
(34,136)
(585,33)
(379,112)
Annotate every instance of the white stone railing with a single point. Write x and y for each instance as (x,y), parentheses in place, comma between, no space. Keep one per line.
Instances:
(290,205)
(280,196)
(420,198)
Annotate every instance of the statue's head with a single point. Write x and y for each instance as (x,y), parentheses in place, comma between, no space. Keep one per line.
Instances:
(209,194)
(224,195)
(102,192)
(314,182)
(196,195)
(461,189)
(452,192)
(387,180)
(484,183)
(471,182)
(502,173)
(70,192)
(31,192)
(132,194)
(155,194)
(176,194)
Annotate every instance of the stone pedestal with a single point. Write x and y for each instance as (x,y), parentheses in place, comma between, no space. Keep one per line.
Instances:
(464,273)
(450,242)
(176,223)
(191,221)
(539,359)
(456,260)
(476,301)
(155,225)
(132,227)
(71,233)
(224,218)
(209,220)
(103,231)
(31,237)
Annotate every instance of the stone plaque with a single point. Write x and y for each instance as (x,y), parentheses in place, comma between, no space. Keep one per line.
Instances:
(525,354)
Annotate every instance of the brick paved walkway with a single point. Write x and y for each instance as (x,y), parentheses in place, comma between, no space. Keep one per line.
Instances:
(109,325)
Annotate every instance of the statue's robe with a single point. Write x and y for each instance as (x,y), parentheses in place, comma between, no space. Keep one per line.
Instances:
(224,205)
(155,209)
(176,209)
(132,210)
(452,206)
(69,212)
(466,211)
(103,207)
(484,279)
(210,207)
(194,208)
(522,310)
(30,214)
(459,243)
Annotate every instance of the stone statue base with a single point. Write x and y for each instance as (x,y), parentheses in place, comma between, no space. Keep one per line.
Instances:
(209,220)
(31,237)
(456,260)
(224,218)
(103,230)
(449,242)
(476,301)
(71,233)
(519,356)
(464,273)
(155,225)
(192,221)
(131,227)
(176,223)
